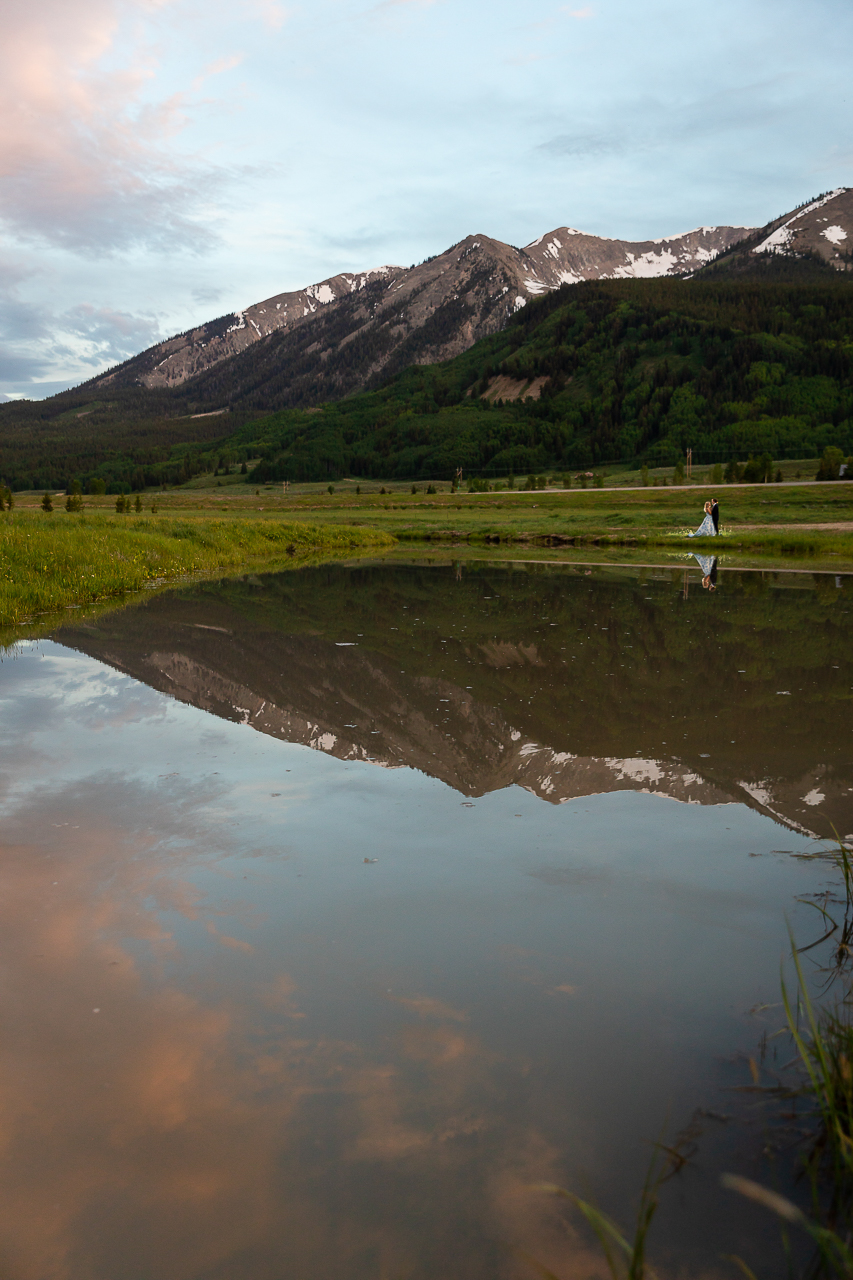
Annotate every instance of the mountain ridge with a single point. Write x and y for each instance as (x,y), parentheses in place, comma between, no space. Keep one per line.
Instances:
(495,279)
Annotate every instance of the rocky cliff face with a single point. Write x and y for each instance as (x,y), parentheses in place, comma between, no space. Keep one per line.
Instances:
(818,235)
(419,314)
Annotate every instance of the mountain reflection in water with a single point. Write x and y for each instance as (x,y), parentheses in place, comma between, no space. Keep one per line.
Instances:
(272,1013)
(564,681)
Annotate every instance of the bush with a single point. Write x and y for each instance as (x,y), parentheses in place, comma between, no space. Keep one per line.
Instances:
(758,470)
(830,464)
(46,504)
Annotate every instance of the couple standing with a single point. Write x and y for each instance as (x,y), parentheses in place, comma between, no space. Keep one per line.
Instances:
(710,526)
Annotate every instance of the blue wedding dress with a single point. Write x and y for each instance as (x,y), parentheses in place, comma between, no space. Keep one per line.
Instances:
(706,528)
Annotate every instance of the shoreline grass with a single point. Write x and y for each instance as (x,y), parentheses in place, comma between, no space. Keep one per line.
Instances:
(792,521)
(799,521)
(48,564)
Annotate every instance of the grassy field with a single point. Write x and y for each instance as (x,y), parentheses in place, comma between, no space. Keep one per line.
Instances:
(56,560)
(50,562)
(793,519)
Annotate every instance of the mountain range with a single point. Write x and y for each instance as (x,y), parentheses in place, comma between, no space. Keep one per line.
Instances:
(396,316)
(756,321)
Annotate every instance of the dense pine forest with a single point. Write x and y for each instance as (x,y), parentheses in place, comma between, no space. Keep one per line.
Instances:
(634,370)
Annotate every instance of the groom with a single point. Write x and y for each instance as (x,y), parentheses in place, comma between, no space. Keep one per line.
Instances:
(715,515)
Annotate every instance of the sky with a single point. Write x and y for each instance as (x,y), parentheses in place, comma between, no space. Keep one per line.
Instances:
(163,162)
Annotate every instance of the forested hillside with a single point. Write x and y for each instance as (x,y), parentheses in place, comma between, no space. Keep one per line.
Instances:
(631,370)
(635,370)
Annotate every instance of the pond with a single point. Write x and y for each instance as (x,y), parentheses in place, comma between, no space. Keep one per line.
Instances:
(344,906)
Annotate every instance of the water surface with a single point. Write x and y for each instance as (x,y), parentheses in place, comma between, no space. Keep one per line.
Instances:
(342,906)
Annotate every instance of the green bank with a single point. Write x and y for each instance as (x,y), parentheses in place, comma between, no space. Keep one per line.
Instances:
(54,562)
(796,521)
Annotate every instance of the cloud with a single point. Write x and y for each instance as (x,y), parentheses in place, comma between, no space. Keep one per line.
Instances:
(83,160)
(389,6)
(586,12)
(272,15)
(217,68)
(112,335)
(37,342)
(582,144)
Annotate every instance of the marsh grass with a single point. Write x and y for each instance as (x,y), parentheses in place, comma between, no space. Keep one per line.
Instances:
(626,1259)
(822,1089)
(50,563)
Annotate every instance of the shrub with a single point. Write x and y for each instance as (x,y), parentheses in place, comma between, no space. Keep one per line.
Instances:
(830,464)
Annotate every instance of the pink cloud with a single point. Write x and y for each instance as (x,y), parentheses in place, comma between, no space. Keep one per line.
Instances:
(82,158)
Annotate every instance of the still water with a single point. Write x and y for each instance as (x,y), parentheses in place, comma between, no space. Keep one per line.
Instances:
(341,907)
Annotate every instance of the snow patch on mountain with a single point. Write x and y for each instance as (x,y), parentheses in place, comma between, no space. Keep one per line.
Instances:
(778,240)
(321,292)
(648,266)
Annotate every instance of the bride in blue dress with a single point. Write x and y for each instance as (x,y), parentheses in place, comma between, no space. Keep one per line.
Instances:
(706,528)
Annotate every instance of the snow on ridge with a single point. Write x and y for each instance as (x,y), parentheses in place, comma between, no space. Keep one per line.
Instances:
(322,292)
(778,240)
(647,266)
(694,231)
(834,234)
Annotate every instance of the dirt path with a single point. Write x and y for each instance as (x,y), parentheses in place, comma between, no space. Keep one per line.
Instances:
(833,527)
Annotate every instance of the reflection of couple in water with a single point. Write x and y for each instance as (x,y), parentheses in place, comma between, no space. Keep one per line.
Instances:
(710,526)
(708,565)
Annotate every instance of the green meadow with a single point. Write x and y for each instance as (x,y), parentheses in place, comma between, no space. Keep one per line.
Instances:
(55,561)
